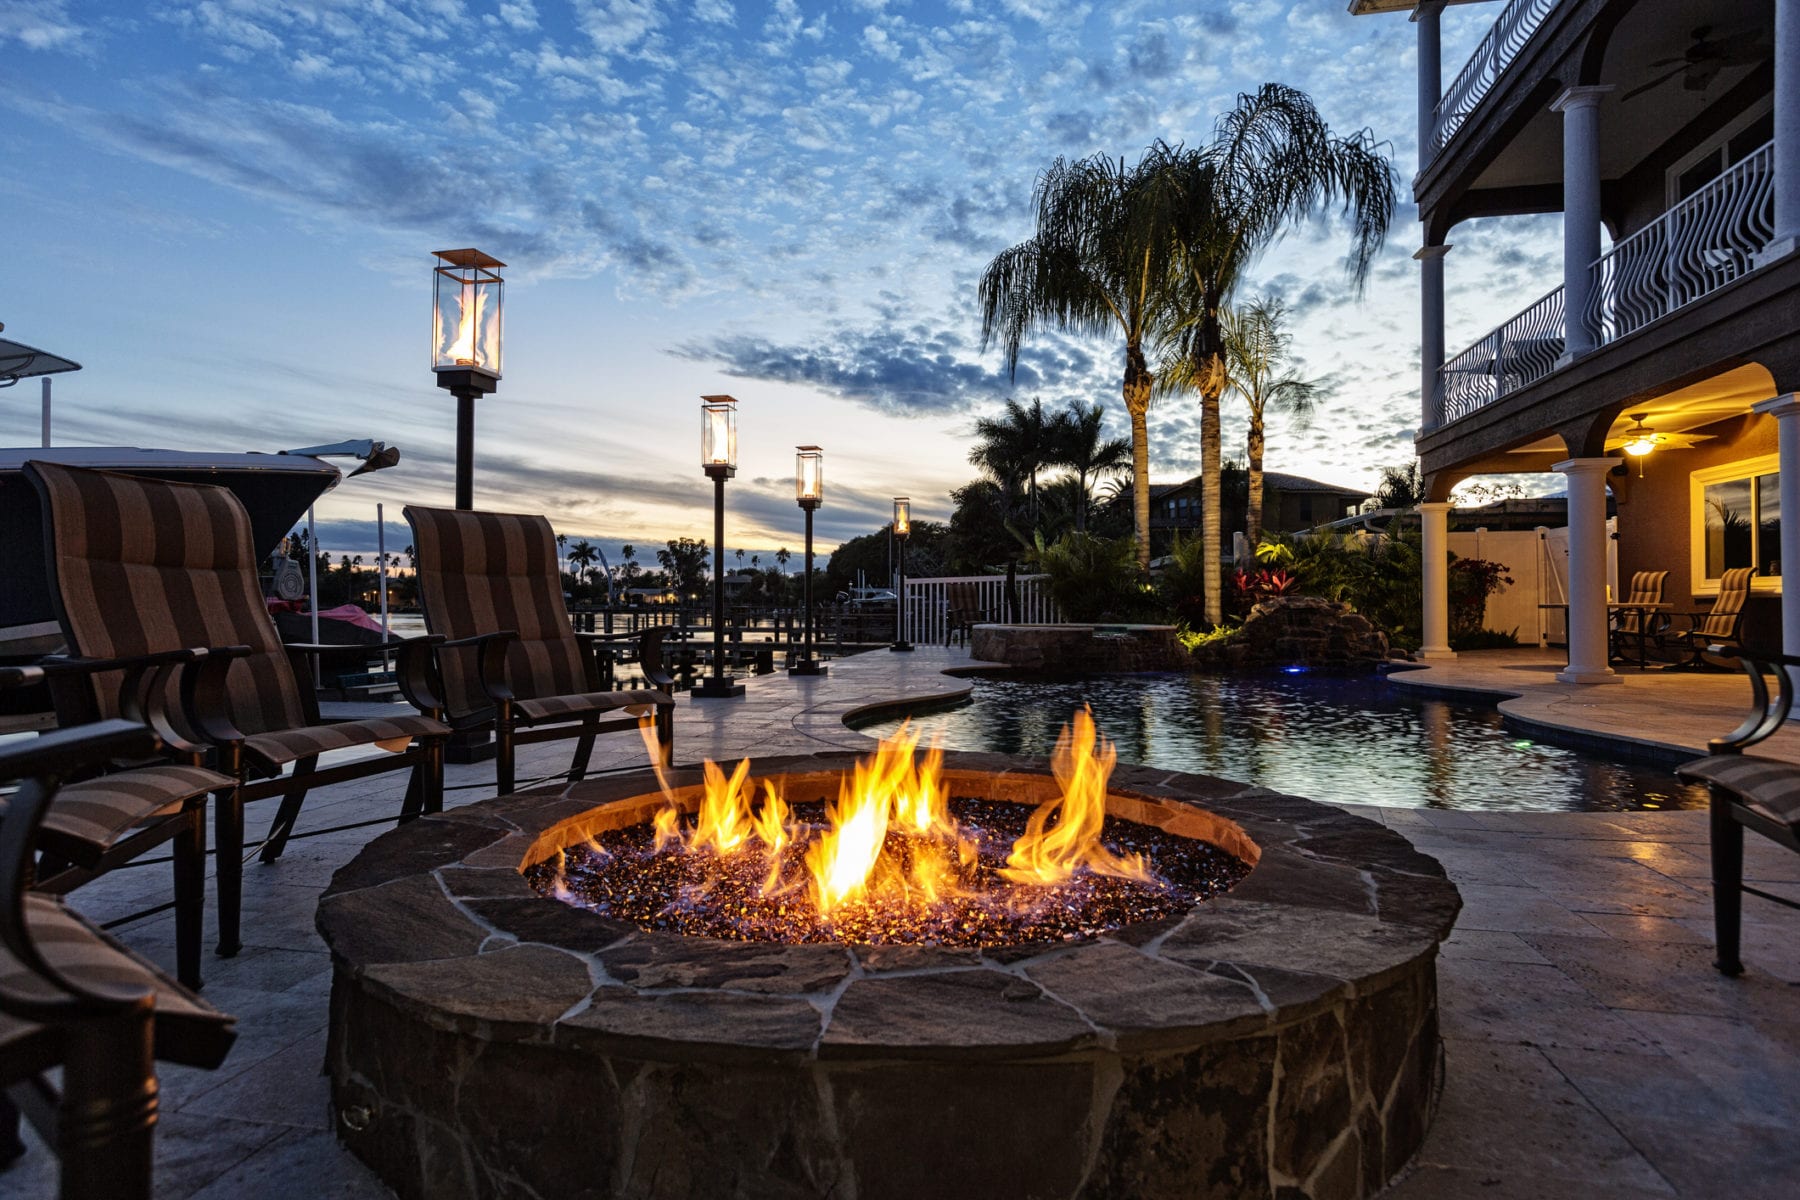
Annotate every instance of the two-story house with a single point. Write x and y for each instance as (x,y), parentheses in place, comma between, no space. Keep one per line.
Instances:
(1663,366)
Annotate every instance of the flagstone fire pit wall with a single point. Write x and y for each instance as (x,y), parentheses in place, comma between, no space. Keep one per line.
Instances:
(1279,1041)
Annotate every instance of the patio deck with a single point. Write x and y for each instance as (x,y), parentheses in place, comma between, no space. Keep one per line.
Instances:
(1591,1049)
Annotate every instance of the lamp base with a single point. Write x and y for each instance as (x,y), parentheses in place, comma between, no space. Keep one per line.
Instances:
(809,667)
(900,647)
(712,688)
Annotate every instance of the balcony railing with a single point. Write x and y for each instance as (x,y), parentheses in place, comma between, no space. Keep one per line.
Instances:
(1521,351)
(1697,247)
(1514,27)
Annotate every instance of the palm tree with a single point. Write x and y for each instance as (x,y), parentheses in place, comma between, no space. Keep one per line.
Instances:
(1256,343)
(583,556)
(1097,264)
(781,557)
(562,543)
(1272,164)
(1020,443)
(1079,446)
(628,562)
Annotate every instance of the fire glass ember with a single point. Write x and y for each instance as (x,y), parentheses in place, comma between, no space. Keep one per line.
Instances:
(894,859)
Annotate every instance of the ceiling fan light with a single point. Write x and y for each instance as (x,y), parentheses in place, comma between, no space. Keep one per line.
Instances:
(1640,445)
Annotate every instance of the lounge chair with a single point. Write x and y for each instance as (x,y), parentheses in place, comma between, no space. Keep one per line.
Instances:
(141,566)
(1748,792)
(73,998)
(103,822)
(1639,627)
(963,611)
(1722,624)
(509,657)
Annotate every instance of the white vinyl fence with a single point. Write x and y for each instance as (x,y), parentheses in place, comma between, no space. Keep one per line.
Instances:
(1538,562)
(928,603)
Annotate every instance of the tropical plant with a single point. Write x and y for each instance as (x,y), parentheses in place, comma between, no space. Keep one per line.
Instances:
(1401,487)
(1182,582)
(1018,444)
(1097,264)
(582,557)
(1091,578)
(684,560)
(1272,164)
(628,567)
(1471,582)
(1256,344)
(781,558)
(1080,446)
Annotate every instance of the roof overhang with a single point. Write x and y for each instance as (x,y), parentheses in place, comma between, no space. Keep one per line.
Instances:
(19,361)
(1360,8)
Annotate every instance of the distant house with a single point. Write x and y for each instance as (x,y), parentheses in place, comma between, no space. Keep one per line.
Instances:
(1290,502)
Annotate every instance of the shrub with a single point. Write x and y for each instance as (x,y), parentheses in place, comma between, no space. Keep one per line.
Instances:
(1472,581)
(1183,582)
(1092,577)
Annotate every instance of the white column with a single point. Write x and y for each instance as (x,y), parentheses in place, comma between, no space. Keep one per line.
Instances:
(1431,335)
(1434,557)
(1786,411)
(1589,651)
(1787,132)
(1431,74)
(1580,111)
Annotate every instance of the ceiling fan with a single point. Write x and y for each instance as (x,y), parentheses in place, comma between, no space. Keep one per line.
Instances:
(1702,61)
(1640,439)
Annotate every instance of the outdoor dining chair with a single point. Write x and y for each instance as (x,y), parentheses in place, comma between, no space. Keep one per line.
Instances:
(1723,623)
(509,657)
(74,999)
(963,611)
(1639,624)
(141,566)
(122,812)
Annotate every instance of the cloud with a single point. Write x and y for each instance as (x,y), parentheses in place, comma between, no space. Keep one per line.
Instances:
(40,25)
(899,369)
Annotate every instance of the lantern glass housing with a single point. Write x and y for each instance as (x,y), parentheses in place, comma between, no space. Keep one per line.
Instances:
(809,474)
(902,516)
(467,295)
(718,435)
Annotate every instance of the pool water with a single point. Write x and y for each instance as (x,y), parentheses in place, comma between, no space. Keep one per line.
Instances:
(1357,740)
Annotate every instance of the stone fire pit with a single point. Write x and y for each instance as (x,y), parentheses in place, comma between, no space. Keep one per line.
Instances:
(1281,1040)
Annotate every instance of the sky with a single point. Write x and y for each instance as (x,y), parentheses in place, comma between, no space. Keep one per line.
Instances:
(225,211)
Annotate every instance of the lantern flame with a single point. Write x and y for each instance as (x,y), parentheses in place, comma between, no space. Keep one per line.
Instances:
(464,351)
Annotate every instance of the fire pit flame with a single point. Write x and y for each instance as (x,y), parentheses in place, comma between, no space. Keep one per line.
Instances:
(893,857)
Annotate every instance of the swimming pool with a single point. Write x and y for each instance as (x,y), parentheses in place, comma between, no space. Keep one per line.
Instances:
(1353,739)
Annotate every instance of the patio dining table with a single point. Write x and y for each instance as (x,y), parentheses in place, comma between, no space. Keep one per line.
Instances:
(1643,611)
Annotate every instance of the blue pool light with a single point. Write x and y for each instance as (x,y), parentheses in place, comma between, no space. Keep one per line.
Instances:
(1294,670)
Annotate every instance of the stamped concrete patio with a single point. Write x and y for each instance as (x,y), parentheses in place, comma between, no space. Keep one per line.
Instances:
(1591,1049)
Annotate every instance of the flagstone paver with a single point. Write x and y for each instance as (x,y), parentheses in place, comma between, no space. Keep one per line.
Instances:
(1590,1049)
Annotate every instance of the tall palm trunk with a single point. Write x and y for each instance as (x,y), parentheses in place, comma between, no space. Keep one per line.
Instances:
(1212,520)
(1253,514)
(1138,381)
(1081,502)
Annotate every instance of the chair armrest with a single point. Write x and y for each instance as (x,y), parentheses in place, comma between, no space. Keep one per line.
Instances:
(142,694)
(205,699)
(490,667)
(414,671)
(65,751)
(1767,713)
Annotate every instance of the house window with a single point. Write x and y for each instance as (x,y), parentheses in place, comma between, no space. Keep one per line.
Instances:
(1742,135)
(1737,522)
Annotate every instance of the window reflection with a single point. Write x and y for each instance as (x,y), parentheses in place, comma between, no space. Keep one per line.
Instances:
(1728,527)
(1768,524)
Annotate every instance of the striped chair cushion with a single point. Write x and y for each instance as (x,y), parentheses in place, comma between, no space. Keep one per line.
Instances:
(142,565)
(1766,786)
(489,572)
(87,818)
(1734,593)
(283,747)
(188,1030)
(557,708)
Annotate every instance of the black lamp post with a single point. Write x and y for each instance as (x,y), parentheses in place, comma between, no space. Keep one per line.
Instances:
(718,457)
(902,529)
(809,489)
(466,297)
